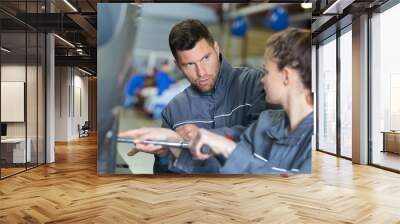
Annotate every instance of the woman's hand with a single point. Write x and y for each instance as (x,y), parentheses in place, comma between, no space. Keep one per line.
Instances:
(217,143)
(142,134)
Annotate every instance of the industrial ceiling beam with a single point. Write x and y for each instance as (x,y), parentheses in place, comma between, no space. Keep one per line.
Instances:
(83,61)
(86,26)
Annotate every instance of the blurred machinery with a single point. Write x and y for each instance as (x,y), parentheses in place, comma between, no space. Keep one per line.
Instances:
(117,24)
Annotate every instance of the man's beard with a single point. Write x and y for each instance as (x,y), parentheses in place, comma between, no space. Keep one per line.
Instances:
(211,82)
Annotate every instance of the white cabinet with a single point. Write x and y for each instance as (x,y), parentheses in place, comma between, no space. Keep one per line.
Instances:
(18,149)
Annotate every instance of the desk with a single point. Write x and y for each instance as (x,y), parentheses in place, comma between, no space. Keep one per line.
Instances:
(16,148)
(391,141)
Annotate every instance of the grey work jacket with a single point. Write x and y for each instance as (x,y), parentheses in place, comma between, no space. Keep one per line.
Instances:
(229,108)
(266,147)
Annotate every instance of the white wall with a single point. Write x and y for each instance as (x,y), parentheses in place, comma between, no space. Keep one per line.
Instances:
(71,93)
(61,103)
(12,101)
(13,73)
(80,100)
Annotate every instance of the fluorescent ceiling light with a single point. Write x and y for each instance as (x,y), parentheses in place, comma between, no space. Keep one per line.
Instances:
(338,6)
(79,51)
(137,4)
(65,41)
(305,5)
(5,50)
(86,72)
(70,5)
(253,9)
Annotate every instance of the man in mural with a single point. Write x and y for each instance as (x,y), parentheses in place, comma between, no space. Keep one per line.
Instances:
(221,98)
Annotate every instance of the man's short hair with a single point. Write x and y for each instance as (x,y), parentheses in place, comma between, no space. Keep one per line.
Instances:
(184,35)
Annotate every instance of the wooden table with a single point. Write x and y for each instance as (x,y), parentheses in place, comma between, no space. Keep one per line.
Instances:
(391,141)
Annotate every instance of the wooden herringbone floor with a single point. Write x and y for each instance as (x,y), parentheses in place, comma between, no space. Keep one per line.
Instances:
(70,191)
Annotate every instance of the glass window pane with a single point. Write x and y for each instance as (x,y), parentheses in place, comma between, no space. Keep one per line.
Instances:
(41,99)
(327,97)
(31,97)
(385,89)
(13,85)
(346,94)
(23,85)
